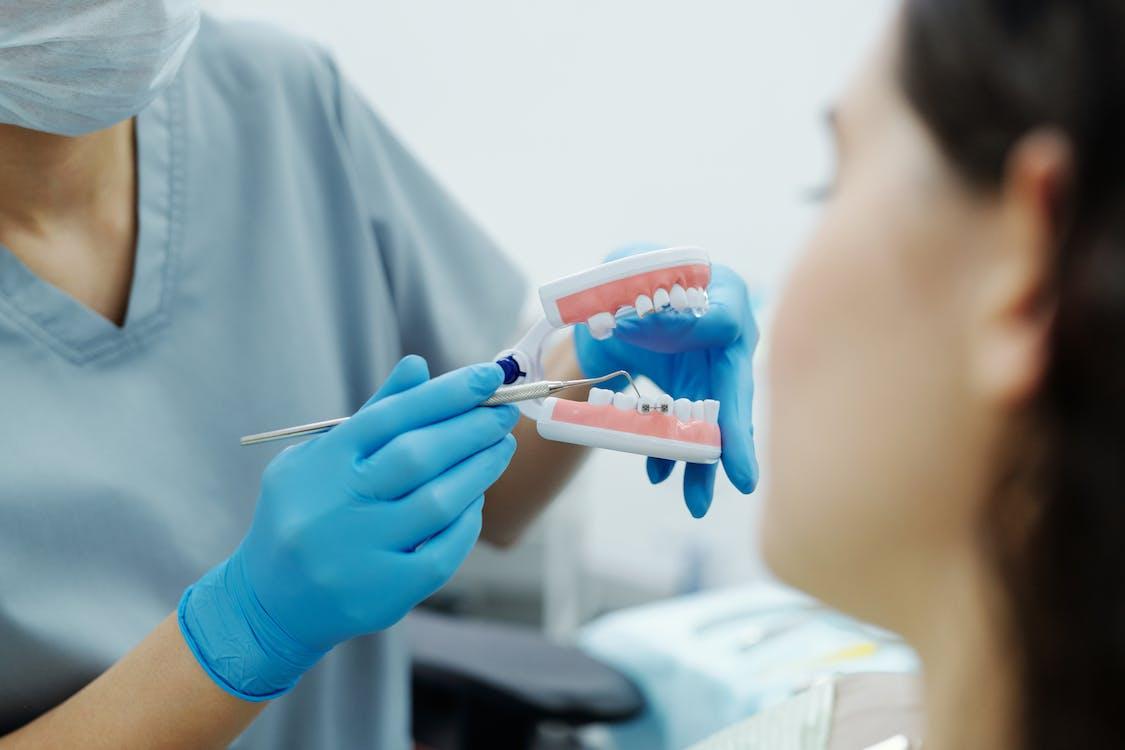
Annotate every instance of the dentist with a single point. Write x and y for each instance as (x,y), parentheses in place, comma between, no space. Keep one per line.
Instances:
(204,231)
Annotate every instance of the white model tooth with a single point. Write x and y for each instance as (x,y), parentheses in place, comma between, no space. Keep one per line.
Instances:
(706,301)
(602,325)
(678,297)
(644,405)
(682,408)
(697,411)
(644,305)
(711,411)
(695,298)
(660,299)
(600,396)
(662,404)
(625,401)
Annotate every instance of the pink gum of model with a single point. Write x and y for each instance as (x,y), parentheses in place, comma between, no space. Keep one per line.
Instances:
(653,425)
(609,297)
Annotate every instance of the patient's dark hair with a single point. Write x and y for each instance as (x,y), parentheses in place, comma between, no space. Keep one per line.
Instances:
(982,74)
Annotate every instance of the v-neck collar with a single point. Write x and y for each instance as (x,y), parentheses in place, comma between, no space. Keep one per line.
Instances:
(72,329)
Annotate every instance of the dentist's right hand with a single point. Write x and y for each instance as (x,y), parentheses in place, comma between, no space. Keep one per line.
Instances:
(352,529)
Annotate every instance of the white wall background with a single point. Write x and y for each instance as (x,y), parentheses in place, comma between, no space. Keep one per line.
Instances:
(568,128)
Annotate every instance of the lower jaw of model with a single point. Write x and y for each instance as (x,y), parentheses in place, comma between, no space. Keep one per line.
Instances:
(675,429)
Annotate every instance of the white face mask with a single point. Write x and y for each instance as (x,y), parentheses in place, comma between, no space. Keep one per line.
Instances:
(71,67)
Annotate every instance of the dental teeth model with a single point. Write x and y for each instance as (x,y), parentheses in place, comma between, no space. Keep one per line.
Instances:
(673,282)
(621,422)
(674,279)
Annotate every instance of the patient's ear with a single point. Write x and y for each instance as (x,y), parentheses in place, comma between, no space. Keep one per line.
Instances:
(1014,298)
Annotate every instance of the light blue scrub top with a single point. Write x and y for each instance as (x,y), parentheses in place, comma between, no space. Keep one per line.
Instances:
(290,252)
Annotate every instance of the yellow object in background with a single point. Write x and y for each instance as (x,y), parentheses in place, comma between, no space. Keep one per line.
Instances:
(858,651)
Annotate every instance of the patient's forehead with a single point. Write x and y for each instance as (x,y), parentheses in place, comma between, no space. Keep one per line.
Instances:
(873,89)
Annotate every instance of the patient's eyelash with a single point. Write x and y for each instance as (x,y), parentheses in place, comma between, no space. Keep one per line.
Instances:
(818,193)
(824,192)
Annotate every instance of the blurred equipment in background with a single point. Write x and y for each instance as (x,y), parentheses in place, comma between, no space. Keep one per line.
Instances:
(706,661)
(488,685)
(875,711)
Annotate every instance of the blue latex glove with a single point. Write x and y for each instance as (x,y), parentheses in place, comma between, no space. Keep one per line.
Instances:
(352,529)
(696,358)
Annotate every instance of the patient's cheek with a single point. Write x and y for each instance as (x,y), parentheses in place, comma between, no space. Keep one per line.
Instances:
(815,310)
(800,360)
(819,391)
(797,379)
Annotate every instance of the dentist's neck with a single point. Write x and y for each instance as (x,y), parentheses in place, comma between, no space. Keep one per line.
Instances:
(68,211)
(47,178)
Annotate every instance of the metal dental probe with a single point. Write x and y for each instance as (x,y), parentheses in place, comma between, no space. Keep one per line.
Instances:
(510,394)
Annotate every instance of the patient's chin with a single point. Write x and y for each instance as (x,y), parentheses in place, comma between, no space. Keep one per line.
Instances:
(805,548)
(780,548)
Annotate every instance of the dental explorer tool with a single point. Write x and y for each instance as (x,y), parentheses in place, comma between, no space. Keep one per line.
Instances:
(504,395)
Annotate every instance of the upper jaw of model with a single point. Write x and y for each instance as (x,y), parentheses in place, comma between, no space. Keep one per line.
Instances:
(673,279)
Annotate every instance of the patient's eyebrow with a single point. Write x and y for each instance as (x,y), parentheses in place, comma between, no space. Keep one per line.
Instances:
(834,118)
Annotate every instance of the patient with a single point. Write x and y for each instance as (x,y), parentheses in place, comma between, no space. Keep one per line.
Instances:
(946,455)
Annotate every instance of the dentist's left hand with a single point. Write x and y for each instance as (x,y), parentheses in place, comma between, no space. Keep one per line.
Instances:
(695,358)
(352,529)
